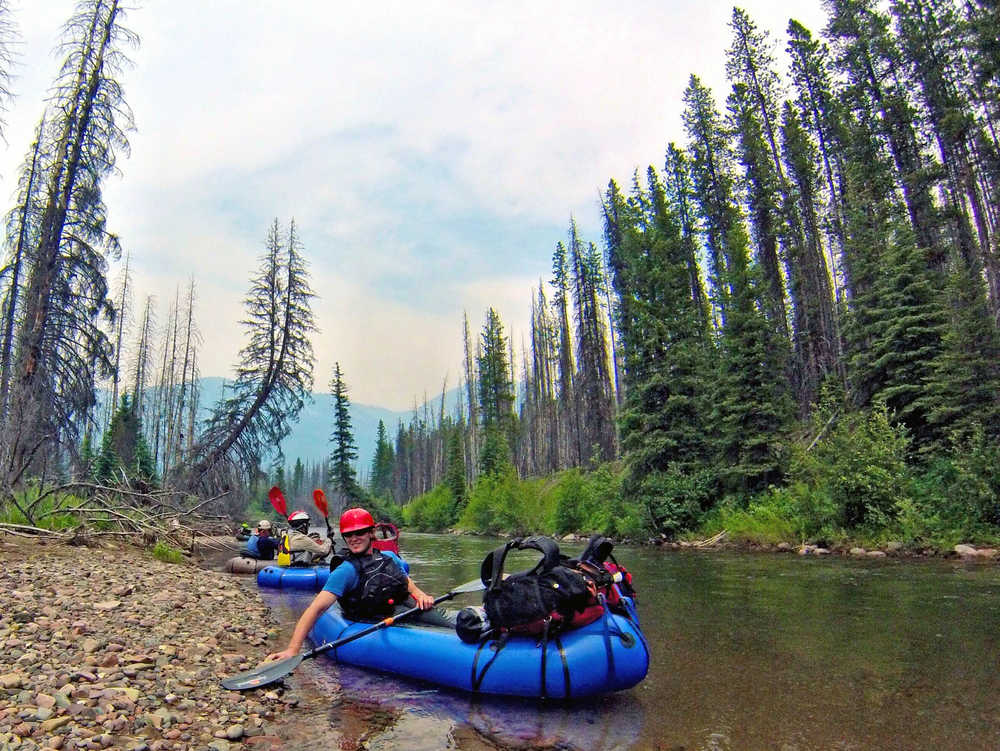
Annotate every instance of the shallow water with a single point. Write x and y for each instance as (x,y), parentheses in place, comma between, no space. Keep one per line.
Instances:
(749,652)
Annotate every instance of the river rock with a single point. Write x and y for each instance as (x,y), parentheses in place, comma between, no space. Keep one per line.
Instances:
(11,680)
(84,671)
(965,551)
(858,552)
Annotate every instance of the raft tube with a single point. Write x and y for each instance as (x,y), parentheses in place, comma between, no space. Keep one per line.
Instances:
(610,654)
(242,564)
(308,578)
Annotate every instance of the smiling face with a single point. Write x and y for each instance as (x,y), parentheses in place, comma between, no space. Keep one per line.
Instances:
(359,541)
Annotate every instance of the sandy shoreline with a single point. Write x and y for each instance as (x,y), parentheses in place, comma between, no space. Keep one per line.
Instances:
(111,648)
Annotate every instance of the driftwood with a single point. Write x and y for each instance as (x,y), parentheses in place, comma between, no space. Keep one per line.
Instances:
(709,542)
(102,511)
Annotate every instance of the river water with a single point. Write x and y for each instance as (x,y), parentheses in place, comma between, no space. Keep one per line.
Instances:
(749,651)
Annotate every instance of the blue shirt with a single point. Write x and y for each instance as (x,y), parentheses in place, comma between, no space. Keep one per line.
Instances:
(262,547)
(344,578)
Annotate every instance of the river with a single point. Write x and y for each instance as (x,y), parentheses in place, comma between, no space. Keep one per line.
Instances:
(749,651)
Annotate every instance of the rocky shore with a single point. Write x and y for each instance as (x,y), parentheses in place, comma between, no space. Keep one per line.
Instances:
(111,648)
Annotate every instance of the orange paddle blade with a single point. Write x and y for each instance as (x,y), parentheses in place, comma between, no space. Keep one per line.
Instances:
(277,499)
(320,498)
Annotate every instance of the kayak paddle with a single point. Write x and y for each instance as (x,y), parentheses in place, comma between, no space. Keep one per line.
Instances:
(277,499)
(272,672)
(319,498)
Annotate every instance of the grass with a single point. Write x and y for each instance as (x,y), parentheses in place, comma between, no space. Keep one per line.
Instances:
(167,554)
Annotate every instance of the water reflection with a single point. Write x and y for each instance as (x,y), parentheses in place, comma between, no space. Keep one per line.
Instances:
(748,652)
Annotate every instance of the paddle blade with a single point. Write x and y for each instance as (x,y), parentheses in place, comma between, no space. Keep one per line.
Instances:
(476,585)
(277,499)
(320,499)
(266,674)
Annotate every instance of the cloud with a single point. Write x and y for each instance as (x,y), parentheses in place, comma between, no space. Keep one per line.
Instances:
(431,153)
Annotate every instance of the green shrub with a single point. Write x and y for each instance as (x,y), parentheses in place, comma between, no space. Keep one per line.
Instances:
(502,503)
(956,498)
(167,554)
(48,512)
(674,500)
(431,512)
(859,467)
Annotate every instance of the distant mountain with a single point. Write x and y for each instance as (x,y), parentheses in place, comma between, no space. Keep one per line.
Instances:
(310,436)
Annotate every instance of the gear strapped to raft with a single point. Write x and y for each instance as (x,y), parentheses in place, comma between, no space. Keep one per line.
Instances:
(558,594)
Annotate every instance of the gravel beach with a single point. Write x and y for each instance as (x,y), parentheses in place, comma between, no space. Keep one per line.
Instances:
(110,648)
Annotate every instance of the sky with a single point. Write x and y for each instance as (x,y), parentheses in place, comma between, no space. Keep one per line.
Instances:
(430,153)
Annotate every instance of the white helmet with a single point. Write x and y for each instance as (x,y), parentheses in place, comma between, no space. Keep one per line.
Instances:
(263,524)
(299,520)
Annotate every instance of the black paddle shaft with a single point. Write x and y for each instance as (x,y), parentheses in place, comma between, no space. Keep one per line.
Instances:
(275,671)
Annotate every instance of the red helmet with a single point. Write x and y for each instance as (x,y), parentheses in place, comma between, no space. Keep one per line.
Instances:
(354,519)
(298,519)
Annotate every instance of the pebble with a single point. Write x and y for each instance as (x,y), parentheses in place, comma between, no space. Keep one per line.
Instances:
(111,648)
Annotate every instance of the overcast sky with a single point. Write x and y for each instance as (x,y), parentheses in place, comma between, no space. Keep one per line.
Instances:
(431,154)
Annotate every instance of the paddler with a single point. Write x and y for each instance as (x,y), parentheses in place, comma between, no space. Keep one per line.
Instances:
(370,585)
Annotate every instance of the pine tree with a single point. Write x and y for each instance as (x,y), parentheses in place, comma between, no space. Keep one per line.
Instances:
(964,392)
(750,397)
(382,464)
(298,477)
(125,457)
(8,37)
(345,450)
(595,401)
(455,473)
(777,210)
(22,223)
(680,195)
(275,373)
(496,397)
(711,173)
(61,346)
(663,430)
(823,117)
(817,328)
(876,91)
(931,35)
(752,108)
(567,421)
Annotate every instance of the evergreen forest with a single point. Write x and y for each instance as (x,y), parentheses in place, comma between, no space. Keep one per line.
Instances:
(788,329)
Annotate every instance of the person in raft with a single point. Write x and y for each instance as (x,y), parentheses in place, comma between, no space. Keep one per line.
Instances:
(369,585)
(261,545)
(303,549)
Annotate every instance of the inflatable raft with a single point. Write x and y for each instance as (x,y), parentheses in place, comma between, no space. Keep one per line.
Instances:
(242,564)
(312,578)
(610,654)
(308,578)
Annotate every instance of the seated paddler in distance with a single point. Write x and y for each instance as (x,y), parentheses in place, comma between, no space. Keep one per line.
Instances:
(299,547)
(369,585)
(261,544)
